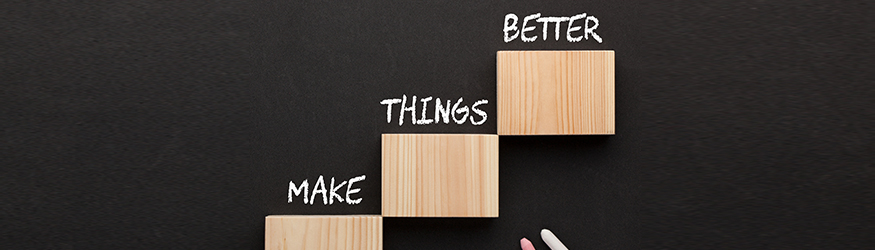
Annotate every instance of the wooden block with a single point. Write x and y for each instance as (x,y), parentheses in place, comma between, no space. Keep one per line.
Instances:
(440,175)
(323,232)
(555,92)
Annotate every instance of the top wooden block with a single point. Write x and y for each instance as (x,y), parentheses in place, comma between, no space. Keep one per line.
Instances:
(556,92)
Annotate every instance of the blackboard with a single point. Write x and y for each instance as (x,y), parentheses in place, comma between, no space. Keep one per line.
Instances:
(178,124)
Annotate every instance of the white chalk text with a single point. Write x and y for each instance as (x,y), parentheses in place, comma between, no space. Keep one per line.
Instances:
(444,112)
(328,193)
(572,24)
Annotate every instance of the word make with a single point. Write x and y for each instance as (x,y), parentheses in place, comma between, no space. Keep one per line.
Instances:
(328,194)
(442,112)
(511,31)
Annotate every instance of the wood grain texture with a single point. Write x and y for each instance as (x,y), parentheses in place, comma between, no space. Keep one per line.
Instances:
(555,92)
(440,175)
(326,232)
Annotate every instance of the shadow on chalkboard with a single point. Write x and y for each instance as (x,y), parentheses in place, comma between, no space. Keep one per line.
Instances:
(436,224)
(552,142)
(398,232)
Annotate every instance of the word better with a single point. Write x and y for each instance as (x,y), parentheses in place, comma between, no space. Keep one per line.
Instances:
(328,195)
(511,31)
(460,115)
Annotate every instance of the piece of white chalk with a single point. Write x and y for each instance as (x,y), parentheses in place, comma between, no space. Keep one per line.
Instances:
(551,240)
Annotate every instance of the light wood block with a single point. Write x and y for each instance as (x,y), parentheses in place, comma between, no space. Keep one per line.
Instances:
(325,232)
(440,175)
(555,92)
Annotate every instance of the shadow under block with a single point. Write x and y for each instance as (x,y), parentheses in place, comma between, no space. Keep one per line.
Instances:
(326,232)
(555,92)
(440,175)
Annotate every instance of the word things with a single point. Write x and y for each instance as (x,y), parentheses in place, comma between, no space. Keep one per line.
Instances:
(442,112)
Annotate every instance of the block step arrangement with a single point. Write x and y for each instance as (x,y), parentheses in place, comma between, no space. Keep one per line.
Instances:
(456,175)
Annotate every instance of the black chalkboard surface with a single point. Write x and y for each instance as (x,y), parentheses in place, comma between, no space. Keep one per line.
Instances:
(179,124)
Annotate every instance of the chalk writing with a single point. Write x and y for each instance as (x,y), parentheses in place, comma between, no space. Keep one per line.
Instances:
(442,112)
(328,194)
(511,31)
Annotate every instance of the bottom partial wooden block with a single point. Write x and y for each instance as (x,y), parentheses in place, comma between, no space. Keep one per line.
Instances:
(325,232)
